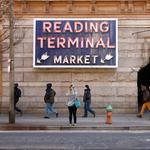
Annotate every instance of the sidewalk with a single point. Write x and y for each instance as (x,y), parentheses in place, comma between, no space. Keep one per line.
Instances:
(32,122)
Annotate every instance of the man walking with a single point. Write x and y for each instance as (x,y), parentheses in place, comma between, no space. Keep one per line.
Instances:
(87,102)
(49,101)
(17,95)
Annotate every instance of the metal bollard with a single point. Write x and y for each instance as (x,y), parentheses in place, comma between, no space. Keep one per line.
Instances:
(109,114)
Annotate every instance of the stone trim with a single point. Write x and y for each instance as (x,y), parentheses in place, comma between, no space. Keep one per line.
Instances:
(31,8)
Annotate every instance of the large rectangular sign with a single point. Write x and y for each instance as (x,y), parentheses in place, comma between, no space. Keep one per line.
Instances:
(75,42)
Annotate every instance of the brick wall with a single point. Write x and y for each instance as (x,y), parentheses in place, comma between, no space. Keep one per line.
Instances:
(109,86)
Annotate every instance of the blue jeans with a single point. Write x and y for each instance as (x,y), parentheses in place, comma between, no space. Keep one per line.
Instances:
(49,109)
(87,107)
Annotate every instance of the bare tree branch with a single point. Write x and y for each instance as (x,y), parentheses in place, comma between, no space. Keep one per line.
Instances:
(4,30)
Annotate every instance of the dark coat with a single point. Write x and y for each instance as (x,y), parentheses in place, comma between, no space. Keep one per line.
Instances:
(17,94)
(87,95)
(49,95)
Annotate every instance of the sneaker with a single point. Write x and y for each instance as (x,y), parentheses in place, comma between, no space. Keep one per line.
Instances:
(70,125)
(46,117)
(139,115)
(74,124)
(56,115)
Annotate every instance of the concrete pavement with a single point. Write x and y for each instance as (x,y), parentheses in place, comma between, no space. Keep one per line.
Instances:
(37,122)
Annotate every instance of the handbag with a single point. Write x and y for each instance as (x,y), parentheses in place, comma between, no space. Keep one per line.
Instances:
(77,103)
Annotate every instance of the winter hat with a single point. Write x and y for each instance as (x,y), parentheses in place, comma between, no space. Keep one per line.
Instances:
(87,86)
(16,85)
(49,85)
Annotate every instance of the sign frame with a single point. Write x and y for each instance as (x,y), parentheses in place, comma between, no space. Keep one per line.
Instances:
(75,66)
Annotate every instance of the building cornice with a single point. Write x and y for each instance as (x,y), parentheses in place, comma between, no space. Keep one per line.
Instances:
(41,8)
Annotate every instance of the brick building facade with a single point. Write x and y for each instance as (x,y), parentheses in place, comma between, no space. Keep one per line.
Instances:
(109,86)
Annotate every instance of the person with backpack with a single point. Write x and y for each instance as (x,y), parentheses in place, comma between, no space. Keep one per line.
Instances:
(17,95)
(49,101)
(146,100)
(87,102)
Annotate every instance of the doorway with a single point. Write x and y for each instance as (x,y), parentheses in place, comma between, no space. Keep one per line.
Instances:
(143,79)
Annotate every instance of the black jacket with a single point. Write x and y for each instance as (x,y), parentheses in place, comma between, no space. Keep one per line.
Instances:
(17,94)
(87,95)
(49,95)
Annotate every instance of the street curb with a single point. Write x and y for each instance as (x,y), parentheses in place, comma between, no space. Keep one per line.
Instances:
(14,127)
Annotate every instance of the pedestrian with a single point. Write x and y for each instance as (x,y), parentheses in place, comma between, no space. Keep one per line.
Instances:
(17,95)
(72,95)
(146,100)
(87,101)
(49,100)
